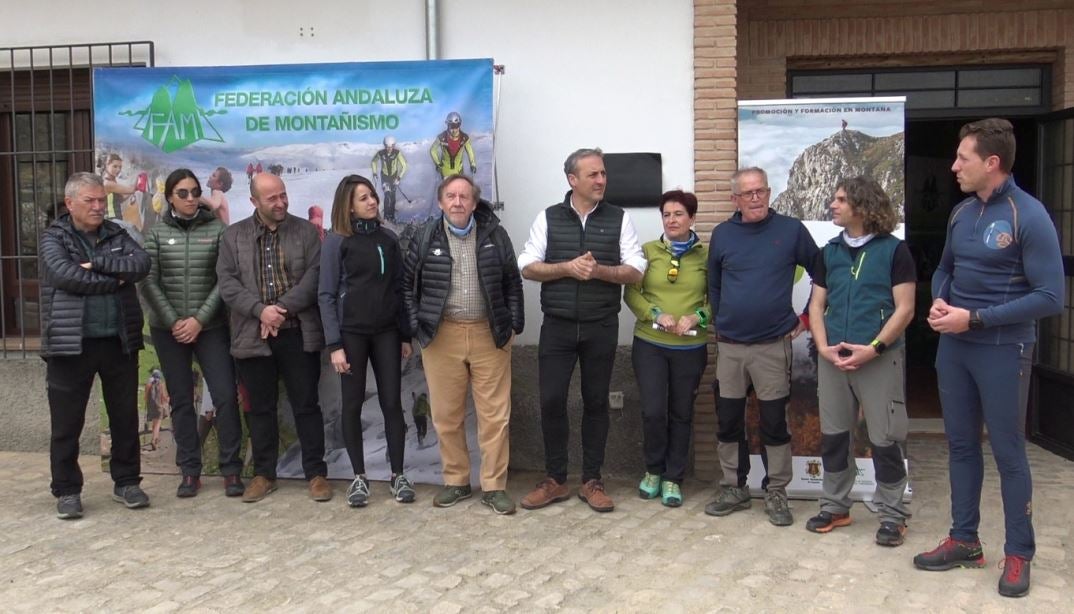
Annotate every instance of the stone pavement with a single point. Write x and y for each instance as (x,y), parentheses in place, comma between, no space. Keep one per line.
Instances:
(288,553)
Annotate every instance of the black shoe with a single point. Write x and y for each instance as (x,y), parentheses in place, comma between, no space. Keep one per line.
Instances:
(949,554)
(1015,579)
(890,533)
(233,486)
(131,496)
(824,522)
(189,487)
(69,507)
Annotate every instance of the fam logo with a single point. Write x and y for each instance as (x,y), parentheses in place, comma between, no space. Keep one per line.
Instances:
(998,235)
(173,120)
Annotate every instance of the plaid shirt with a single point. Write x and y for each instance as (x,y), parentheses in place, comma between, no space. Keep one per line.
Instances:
(272,278)
(465,301)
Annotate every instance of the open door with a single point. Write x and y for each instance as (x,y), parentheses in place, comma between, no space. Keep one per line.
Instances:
(1051,408)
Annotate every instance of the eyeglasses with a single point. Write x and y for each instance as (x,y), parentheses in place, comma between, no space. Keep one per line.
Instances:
(184,193)
(754,194)
(673,272)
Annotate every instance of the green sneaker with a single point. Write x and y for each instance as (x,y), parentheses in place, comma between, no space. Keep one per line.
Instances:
(450,495)
(649,487)
(499,502)
(670,494)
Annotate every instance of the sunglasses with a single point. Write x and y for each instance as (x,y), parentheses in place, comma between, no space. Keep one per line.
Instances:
(184,193)
(673,272)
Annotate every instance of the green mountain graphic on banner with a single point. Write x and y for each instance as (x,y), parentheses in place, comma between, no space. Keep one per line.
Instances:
(172,123)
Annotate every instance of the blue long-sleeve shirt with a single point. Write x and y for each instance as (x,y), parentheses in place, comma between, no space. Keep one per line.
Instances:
(751,275)
(1002,259)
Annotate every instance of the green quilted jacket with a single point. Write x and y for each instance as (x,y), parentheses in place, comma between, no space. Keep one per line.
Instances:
(182,280)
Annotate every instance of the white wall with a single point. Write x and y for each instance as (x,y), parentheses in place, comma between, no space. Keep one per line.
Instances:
(617,74)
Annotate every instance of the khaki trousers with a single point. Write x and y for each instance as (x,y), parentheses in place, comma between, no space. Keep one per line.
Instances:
(463,355)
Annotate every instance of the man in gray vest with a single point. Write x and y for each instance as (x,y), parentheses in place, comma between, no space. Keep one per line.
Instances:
(583,251)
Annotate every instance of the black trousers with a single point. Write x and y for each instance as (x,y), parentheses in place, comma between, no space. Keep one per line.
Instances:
(69,380)
(592,345)
(300,371)
(667,381)
(385,352)
(214,355)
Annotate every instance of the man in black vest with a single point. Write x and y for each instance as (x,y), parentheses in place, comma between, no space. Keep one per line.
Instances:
(583,251)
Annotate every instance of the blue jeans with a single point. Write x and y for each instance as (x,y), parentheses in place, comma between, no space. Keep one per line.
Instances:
(988,383)
(213,349)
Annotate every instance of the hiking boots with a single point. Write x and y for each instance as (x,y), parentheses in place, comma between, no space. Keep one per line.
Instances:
(131,496)
(825,522)
(778,510)
(189,487)
(547,492)
(358,492)
(402,489)
(592,492)
(649,488)
(1015,579)
(259,488)
(499,502)
(69,507)
(951,553)
(233,486)
(450,495)
(731,499)
(890,533)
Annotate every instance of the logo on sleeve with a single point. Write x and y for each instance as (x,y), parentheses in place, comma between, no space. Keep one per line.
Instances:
(998,235)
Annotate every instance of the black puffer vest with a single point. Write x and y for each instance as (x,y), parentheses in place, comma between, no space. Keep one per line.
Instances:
(569,298)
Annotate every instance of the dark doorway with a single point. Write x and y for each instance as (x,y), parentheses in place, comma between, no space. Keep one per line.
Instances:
(931,193)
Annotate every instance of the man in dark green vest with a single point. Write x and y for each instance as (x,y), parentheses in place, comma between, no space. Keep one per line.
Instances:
(582,250)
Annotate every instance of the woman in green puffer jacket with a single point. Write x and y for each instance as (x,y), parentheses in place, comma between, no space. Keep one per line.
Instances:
(187,319)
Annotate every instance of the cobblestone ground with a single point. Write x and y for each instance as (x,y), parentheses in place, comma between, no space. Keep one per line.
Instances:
(290,554)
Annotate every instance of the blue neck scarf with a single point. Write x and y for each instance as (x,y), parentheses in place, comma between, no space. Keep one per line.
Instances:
(460,232)
(678,248)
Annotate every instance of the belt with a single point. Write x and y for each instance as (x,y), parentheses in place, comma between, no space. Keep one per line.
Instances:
(723,339)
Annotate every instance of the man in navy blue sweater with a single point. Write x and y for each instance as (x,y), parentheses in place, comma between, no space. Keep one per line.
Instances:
(752,261)
(1000,272)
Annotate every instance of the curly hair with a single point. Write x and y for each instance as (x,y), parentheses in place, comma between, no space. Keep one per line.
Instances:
(868,199)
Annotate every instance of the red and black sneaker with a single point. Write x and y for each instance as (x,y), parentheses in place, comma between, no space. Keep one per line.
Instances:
(951,553)
(1015,579)
(824,522)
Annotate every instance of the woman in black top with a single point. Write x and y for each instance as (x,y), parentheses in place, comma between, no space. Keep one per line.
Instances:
(360,297)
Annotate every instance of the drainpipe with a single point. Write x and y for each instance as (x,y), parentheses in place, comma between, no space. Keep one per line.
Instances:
(432,41)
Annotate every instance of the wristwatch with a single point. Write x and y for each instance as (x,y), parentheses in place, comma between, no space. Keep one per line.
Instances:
(976,323)
(879,346)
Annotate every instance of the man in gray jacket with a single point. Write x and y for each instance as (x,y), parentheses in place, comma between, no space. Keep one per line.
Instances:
(267,270)
(92,325)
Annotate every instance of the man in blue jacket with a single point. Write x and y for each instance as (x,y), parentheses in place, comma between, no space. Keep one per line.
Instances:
(752,262)
(1000,272)
(92,325)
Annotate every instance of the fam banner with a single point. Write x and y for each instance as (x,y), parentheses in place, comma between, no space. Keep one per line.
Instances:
(806,146)
(404,125)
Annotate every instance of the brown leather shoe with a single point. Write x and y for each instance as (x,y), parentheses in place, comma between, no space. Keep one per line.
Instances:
(320,489)
(259,488)
(592,492)
(546,492)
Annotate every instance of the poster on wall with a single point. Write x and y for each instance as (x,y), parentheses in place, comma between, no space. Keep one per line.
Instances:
(404,125)
(806,146)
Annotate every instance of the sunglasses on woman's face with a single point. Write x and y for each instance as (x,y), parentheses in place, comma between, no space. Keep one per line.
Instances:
(184,193)
(673,272)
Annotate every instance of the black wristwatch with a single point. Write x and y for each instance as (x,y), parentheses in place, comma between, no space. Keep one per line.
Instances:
(976,323)
(879,346)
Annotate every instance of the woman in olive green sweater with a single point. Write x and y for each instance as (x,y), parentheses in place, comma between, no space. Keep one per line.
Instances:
(187,319)
(669,354)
